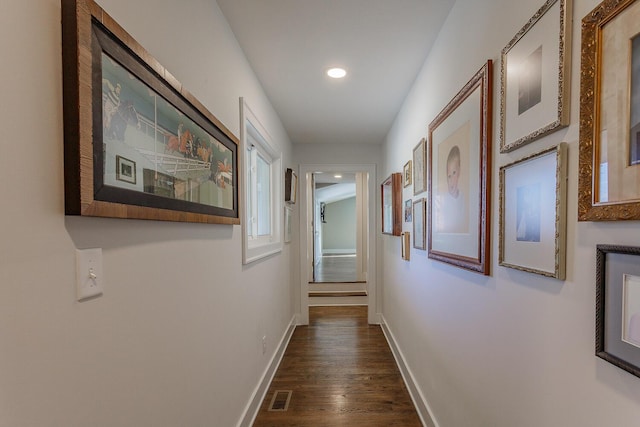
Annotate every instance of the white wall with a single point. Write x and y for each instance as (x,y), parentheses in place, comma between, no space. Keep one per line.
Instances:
(339,230)
(512,349)
(176,337)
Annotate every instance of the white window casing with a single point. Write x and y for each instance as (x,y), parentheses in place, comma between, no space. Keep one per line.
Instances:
(261,210)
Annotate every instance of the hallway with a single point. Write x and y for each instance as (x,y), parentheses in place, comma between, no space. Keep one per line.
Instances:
(341,373)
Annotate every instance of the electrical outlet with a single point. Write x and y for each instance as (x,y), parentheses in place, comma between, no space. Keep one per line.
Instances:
(264,344)
(89,278)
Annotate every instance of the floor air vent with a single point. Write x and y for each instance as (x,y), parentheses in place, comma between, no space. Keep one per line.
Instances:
(280,401)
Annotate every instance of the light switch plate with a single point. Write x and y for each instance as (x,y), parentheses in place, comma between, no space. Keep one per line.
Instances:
(89,276)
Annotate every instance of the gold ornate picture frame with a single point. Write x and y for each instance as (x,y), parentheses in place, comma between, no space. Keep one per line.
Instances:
(609,159)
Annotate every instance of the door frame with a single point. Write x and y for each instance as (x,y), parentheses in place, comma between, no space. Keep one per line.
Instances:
(306,237)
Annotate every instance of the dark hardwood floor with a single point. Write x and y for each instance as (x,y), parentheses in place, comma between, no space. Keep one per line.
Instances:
(336,268)
(342,373)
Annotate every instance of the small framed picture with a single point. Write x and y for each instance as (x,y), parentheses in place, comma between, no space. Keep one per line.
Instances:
(125,170)
(533,213)
(408,205)
(407,174)
(406,245)
(391,198)
(618,306)
(420,167)
(419,221)
(287,224)
(534,77)
(290,186)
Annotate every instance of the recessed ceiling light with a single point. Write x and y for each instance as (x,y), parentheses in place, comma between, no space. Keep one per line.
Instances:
(337,176)
(336,73)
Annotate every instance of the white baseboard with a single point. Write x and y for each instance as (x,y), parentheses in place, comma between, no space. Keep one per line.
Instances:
(253,407)
(424,411)
(339,251)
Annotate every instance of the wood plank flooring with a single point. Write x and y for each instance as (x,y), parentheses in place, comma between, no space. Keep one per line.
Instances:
(342,373)
(336,268)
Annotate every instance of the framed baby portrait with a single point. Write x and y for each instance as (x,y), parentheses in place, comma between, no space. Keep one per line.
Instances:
(533,213)
(618,306)
(459,177)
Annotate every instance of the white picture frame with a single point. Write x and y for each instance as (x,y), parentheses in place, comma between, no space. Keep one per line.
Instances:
(534,77)
(533,213)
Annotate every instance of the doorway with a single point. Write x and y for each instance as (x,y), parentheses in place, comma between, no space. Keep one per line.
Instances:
(337,229)
(325,242)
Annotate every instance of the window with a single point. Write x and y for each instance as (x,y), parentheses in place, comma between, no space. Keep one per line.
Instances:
(262,188)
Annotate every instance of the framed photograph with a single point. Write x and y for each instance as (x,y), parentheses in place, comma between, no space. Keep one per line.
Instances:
(609,159)
(287,224)
(533,213)
(407,174)
(459,177)
(419,221)
(534,77)
(391,190)
(407,210)
(290,186)
(125,170)
(123,114)
(406,245)
(420,168)
(618,306)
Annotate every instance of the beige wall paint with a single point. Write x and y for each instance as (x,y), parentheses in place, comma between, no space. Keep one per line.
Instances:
(512,349)
(339,231)
(176,337)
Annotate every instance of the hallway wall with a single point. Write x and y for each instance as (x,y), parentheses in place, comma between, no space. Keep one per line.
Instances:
(176,339)
(339,230)
(511,349)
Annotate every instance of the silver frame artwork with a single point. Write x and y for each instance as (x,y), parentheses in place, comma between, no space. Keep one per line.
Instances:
(525,253)
(535,125)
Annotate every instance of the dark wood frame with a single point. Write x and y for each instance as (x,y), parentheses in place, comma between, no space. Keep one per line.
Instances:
(420,158)
(602,320)
(87,31)
(589,209)
(482,80)
(394,182)
(422,205)
(290,186)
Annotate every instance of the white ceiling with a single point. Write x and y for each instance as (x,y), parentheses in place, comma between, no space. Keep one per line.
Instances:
(291,43)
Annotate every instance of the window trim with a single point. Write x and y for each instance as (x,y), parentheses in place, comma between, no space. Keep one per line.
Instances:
(253,133)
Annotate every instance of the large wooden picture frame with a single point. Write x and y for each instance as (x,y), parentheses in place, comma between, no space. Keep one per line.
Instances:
(609,160)
(618,306)
(534,77)
(391,196)
(533,213)
(180,163)
(460,176)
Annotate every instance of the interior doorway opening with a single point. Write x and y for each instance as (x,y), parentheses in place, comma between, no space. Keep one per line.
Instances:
(337,228)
